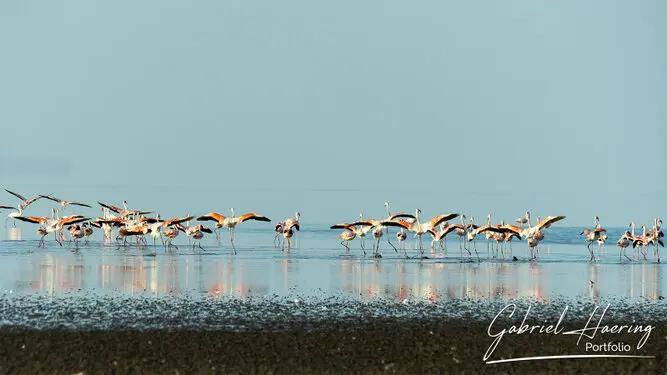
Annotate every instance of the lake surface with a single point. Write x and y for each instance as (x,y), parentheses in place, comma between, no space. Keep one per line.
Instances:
(318,266)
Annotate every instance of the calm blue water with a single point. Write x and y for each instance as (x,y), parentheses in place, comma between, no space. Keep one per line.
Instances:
(318,265)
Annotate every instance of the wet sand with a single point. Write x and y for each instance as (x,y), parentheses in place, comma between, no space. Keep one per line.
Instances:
(385,345)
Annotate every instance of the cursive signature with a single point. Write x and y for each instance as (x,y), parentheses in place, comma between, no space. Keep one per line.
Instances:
(557,329)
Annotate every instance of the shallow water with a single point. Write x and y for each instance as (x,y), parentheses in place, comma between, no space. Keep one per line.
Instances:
(318,266)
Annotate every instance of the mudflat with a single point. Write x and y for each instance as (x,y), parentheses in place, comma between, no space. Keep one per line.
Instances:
(381,345)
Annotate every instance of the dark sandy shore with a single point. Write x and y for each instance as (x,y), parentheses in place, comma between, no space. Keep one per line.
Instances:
(92,334)
(382,346)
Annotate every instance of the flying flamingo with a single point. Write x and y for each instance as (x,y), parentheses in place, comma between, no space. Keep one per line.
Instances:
(63,203)
(231,222)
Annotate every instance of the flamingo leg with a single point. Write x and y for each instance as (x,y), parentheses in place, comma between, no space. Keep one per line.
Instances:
(389,240)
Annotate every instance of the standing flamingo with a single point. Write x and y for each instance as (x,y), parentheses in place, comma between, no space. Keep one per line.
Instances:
(623,243)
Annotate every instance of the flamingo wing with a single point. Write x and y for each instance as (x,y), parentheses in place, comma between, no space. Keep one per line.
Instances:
(547,221)
(396,216)
(441,218)
(112,208)
(252,216)
(212,216)
(363,223)
(7,208)
(73,220)
(513,229)
(17,195)
(177,220)
(397,223)
(79,204)
(341,226)
(33,219)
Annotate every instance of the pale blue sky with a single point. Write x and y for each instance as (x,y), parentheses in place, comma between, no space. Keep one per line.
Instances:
(328,108)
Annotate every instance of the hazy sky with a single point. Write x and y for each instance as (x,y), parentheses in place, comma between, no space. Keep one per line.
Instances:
(331,107)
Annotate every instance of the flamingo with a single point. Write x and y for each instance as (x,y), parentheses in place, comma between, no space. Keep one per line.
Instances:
(287,234)
(42,233)
(623,243)
(156,227)
(76,232)
(63,203)
(279,230)
(14,215)
(533,234)
(231,222)
(87,231)
(592,235)
(541,224)
(400,237)
(286,227)
(521,221)
(393,217)
(24,201)
(361,227)
(170,233)
(197,233)
(377,234)
(440,235)
(348,235)
(420,228)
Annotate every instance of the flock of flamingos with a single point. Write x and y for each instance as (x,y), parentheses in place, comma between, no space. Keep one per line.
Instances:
(129,223)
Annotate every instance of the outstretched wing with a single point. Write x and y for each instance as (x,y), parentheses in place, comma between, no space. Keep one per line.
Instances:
(74,220)
(112,208)
(547,221)
(252,216)
(441,218)
(79,204)
(17,195)
(212,216)
(340,226)
(177,220)
(396,216)
(33,219)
